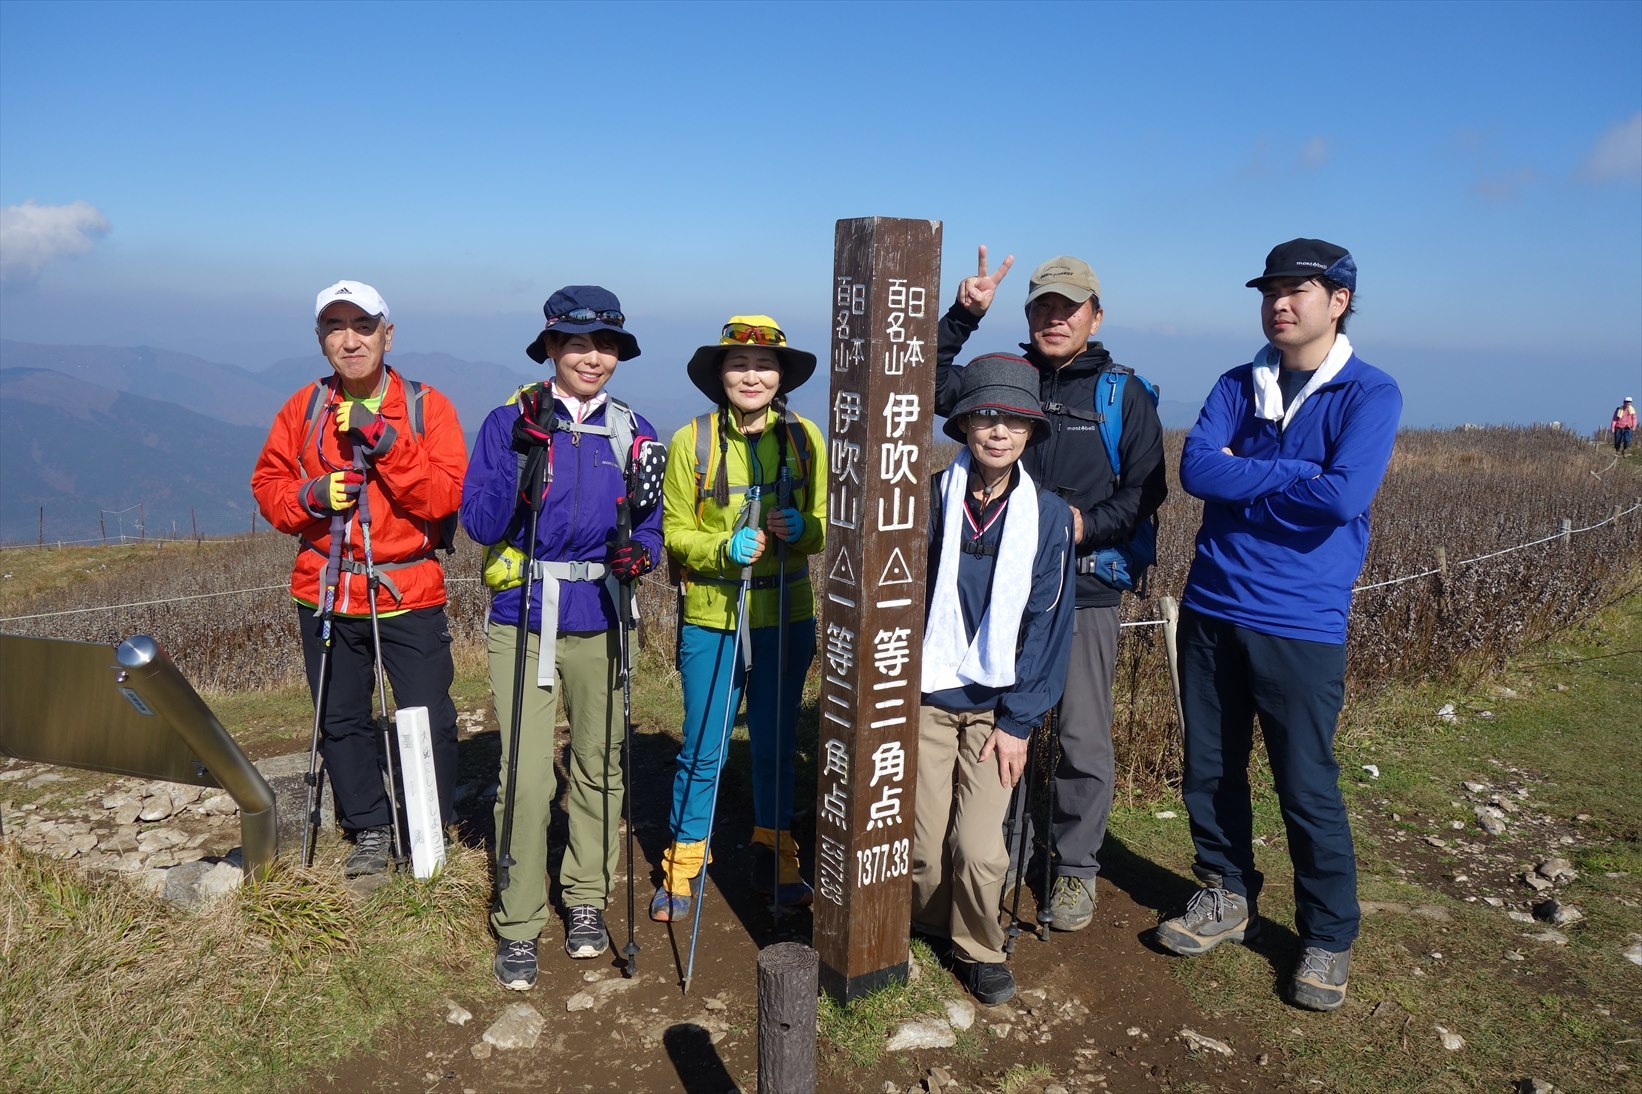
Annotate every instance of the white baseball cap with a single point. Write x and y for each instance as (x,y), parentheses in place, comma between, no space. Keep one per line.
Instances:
(357,293)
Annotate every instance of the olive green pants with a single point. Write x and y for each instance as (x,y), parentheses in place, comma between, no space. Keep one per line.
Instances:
(587,686)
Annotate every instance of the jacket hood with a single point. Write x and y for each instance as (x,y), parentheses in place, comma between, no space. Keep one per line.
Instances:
(1093,358)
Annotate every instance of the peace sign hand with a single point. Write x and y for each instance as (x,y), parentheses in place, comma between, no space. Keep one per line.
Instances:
(975,293)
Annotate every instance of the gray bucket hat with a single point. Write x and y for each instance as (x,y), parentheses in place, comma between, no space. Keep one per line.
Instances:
(1000,382)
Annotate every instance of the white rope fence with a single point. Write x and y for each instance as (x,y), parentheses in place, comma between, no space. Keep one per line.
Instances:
(1562,533)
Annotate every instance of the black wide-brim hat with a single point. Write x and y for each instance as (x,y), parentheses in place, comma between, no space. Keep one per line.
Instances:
(1002,382)
(583,309)
(797,366)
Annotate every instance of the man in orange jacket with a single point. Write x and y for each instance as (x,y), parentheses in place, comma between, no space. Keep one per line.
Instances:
(366,428)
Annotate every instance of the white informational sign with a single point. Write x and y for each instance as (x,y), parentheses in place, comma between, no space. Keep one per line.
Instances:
(427,837)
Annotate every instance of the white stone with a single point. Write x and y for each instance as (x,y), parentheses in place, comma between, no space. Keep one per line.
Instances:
(1558,870)
(157,806)
(217,805)
(960,1012)
(1633,953)
(456,1014)
(1536,883)
(922,1033)
(580,1001)
(1453,1042)
(1548,935)
(1167,814)
(1208,1044)
(1373,770)
(1475,788)
(520,1026)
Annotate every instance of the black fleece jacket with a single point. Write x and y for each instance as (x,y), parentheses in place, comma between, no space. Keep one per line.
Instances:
(1071,460)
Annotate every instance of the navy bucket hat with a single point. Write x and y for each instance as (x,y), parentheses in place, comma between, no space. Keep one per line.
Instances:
(583,309)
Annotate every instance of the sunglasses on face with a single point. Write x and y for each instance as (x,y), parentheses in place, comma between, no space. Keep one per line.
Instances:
(588,315)
(756,335)
(984,420)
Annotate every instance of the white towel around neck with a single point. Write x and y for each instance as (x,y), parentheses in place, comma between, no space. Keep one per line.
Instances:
(951,658)
(1268,393)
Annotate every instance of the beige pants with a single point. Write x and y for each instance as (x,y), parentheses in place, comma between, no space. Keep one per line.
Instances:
(958,853)
(586,678)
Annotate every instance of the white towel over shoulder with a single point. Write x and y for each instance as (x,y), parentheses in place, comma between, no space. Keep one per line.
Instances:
(951,659)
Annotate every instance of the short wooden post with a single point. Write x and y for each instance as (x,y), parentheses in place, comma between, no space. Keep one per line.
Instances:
(42,538)
(788,983)
(1567,531)
(194,521)
(885,306)
(102,527)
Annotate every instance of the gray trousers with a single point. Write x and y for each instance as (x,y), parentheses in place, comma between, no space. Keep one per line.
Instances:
(1083,778)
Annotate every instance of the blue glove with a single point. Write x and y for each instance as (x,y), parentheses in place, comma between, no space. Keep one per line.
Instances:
(791,521)
(744,546)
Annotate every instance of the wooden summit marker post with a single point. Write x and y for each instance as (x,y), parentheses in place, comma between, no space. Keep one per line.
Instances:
(885,305)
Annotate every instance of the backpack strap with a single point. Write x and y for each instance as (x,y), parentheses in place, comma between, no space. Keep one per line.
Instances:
(1109,413)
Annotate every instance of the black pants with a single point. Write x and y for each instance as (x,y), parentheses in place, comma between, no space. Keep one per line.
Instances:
(416,655)
(1228,676)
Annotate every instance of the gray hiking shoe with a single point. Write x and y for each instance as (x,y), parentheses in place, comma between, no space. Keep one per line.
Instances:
(1213,916)
(371,854)
(1073,902)
(515,963)
(1319,981)
(587,936)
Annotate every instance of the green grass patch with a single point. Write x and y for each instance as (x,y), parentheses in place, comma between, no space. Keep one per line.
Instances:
(1561,725)
(860,1030)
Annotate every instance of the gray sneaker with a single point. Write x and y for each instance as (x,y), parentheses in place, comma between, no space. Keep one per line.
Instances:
(372,851)
(587,936)
(1319,981)
(1213,916)
(1072,901)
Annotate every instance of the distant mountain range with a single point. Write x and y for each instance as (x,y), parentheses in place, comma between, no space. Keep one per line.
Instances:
(166,436)
(171,438)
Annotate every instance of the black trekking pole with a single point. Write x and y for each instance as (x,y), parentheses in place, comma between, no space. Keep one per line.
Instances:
(373,581)
(723,747)
(621,592)
(1023,790)
(1051,744)
(333,578)
(783,498)
(537,471)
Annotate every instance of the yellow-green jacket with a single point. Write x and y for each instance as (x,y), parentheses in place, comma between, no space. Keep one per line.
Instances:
(696,530)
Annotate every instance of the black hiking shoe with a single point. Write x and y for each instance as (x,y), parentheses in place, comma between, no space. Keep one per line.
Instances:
(1319,981)
(372,852)
(587,936)
(516,963)
(990,982)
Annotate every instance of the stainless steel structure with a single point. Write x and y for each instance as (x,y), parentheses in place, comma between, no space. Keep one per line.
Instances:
(128,711)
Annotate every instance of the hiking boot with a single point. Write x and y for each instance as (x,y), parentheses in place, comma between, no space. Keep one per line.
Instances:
(1319,981)
(1072,901)
(990,982)
(1214,915)
(668,907)
(587,936)
(516,963)
(371,854)
(792,891)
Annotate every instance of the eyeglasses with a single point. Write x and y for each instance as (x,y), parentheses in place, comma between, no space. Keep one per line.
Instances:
(588,315)
(747,332)
(984,420)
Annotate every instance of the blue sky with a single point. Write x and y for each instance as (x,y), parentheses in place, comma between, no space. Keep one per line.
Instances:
(188,176)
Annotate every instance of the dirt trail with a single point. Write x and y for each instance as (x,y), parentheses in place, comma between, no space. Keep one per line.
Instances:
(1097,986)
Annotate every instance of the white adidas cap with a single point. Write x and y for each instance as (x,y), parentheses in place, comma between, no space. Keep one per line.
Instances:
(358,293)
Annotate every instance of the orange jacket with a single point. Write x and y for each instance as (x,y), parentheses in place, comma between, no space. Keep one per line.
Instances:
(411,488)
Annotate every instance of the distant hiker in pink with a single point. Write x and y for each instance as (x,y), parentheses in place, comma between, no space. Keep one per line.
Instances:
(1624,424)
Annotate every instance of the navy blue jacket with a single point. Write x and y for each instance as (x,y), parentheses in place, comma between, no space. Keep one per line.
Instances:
(1285,518)
(1046,625)
(1071,461)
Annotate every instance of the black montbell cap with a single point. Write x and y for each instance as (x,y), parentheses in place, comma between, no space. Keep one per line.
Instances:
(1309,258)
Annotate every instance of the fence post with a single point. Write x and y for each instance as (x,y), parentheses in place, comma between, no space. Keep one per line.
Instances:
(42,540)
(142,522)
(789,976)
(1567,531)
(1444,605)
(102,527)
(1171,650)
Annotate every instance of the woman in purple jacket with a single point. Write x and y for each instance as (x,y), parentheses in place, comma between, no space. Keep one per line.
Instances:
(572,437)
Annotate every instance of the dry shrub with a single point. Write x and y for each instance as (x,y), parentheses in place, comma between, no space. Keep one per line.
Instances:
(1469,491)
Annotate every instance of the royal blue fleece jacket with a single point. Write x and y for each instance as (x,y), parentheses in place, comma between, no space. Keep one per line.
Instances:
(1285,517)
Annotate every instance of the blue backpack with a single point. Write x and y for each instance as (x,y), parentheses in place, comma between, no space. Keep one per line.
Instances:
(1123,566)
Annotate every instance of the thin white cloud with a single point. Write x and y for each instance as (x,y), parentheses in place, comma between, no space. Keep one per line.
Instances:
(1314,154)
(32,235)
(1617,154)
(1503,187)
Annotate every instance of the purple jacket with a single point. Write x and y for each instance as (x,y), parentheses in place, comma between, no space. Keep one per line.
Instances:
(577,520)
